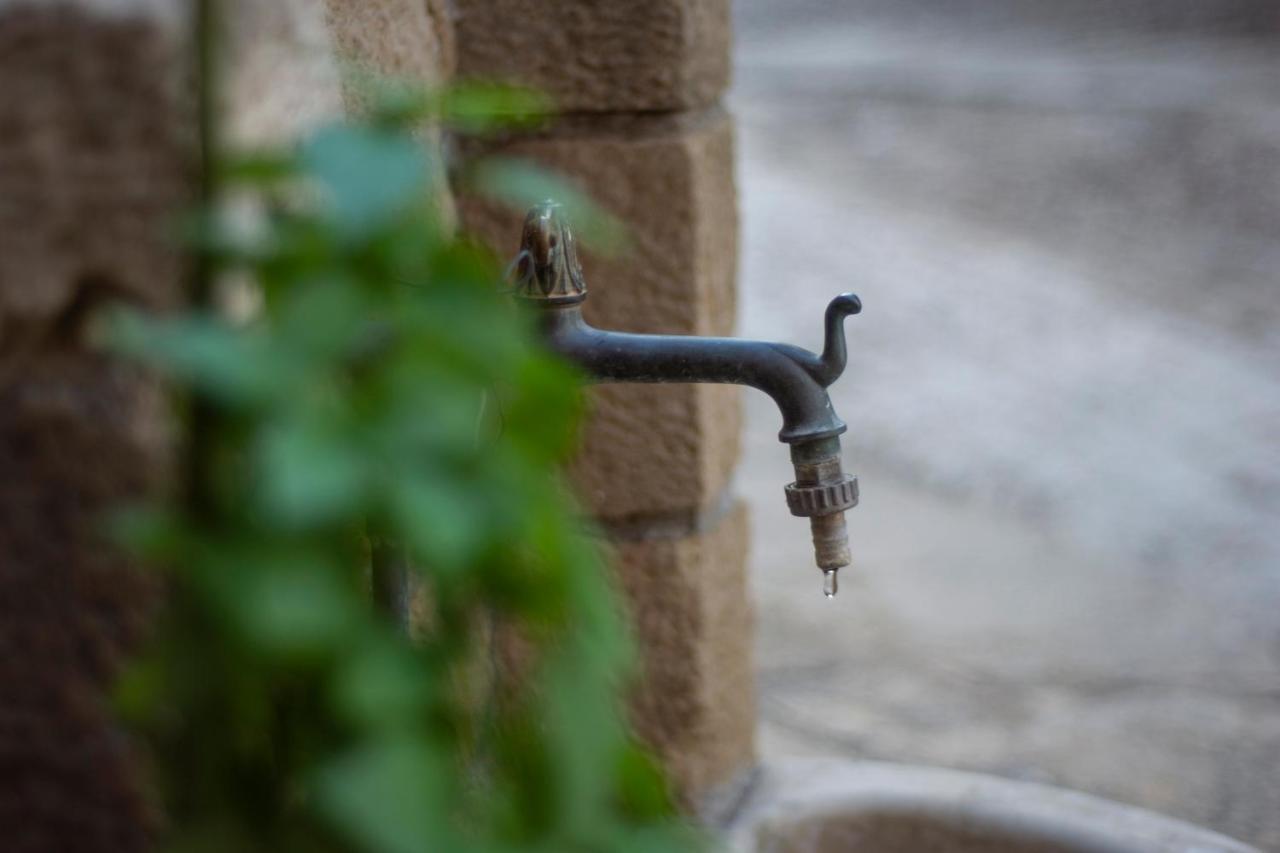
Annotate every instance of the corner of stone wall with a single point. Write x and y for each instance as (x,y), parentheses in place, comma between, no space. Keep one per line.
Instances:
(643,133)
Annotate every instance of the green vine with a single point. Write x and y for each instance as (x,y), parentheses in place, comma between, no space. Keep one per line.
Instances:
(378,394)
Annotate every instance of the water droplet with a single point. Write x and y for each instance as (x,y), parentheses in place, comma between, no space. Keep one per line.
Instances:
(829,585)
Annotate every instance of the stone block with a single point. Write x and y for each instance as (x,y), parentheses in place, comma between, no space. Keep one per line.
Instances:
(94,171)
(293,64)
(405,39)
(280,77)
(78,438)
(93,168)
(605,56)
(695,700)
(648,450)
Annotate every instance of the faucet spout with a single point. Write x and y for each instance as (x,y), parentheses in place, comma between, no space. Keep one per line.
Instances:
(790,375)
(546,274)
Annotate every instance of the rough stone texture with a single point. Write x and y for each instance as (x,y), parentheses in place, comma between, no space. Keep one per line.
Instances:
(695,702)
(92,170)
(76,438)
(655,450)
(602,56)
(280,76)
(656,459)
(90,166)
(409,39)
(293,64)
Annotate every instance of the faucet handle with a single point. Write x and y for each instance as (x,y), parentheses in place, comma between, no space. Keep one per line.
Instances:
(834,353)
(546,267)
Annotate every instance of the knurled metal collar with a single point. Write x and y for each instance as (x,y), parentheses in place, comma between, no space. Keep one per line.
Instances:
(824,498)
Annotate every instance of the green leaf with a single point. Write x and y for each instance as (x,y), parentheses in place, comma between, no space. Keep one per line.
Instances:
(642,789)
(370,175)
(542,418)
(234,366)
(476,107)
(390,797)
(428,410)
(324,317)
(439,522)
(385,389)
(149,531)
(382,684)
(471,107)
(311,472)
(257,167)
(295,605)
(521,184)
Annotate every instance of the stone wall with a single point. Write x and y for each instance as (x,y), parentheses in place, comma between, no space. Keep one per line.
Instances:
(643,133)
(96,136)
(93,166)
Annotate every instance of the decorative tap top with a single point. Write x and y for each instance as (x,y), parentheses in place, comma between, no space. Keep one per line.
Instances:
(547,268)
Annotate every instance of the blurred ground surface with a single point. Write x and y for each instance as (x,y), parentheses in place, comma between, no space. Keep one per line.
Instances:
(1064,398)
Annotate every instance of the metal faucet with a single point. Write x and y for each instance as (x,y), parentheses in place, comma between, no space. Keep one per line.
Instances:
(547,276)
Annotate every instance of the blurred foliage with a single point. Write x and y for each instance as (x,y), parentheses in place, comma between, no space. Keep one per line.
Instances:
(382,393)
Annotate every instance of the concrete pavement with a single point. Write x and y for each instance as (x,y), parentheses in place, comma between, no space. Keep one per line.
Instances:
(1063,398)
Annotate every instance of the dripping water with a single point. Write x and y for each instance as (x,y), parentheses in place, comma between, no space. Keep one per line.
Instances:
(829,585)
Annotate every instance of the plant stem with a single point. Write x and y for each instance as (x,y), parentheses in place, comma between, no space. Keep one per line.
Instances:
(201,426)
(390,582)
